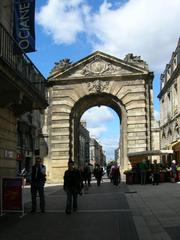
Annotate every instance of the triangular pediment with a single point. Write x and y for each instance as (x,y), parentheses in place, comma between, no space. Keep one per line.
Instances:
(98,64)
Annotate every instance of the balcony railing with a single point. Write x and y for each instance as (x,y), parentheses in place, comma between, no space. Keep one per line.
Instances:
(17,60)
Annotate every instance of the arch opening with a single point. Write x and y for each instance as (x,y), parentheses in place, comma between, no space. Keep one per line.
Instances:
(100,134)
(87,102)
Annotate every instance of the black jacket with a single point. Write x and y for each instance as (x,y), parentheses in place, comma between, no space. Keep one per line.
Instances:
(72,181)
(40,176)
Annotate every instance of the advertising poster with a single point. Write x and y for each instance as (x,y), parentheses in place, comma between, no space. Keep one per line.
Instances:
(12,194)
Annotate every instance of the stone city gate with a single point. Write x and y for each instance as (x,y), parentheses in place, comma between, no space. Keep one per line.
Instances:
(98,79)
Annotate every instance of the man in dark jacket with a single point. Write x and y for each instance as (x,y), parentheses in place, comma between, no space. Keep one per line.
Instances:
(38,178)
(98,173)
(72,186)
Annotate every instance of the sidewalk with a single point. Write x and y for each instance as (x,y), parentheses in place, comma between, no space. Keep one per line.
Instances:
(138,212)
(156,210)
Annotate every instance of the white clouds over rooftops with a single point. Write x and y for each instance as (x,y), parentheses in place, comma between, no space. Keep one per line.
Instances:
(147,28)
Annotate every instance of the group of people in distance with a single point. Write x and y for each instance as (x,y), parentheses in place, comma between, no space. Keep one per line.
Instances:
(154,171)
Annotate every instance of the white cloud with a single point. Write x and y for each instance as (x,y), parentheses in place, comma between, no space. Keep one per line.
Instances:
(96,115)
(97,131)
(147,28)
(63,20)
(110,143)
(143,27)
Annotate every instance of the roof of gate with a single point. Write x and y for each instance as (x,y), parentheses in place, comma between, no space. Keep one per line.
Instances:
(98,64)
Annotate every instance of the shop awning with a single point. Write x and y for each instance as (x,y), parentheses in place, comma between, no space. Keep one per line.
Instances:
(150,153)
(173,144)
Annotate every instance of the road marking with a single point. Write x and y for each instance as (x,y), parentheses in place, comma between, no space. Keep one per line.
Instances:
(92,211)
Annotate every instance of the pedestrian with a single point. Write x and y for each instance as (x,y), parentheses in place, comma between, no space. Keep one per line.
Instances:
(72,186)
(173,171)
(37,180)
(87,174)
(143,171)
(116,175)
(155,173)
(98,172)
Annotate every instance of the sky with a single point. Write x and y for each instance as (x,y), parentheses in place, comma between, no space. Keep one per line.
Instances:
(76,28)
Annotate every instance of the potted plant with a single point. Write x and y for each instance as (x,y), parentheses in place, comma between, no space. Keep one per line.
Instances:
(129,176)
(178,172)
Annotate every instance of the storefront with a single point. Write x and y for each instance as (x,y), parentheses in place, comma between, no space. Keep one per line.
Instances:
(175,146)
(159,155)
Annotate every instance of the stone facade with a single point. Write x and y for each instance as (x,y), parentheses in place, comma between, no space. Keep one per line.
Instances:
(8,142)
(30,141)
(169,97)
(96,152)
(22,90)
(99,79)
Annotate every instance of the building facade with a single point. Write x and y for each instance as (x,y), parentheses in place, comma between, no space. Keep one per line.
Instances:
(84,144)
(169,97)
(117,155)
(22,100)
(97,155)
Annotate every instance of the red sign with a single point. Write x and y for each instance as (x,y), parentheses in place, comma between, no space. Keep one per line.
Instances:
(19,157)
(12,194)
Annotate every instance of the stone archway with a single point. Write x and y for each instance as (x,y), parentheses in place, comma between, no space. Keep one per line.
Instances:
(99,79)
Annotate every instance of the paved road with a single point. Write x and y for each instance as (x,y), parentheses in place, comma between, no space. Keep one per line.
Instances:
(138,212)
(103,213)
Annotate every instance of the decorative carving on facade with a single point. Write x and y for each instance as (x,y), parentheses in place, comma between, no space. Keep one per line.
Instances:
(61,66)
(97,86)
(99,67)
(136,60)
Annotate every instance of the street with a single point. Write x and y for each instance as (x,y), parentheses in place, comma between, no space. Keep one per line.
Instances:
(102,213)
(138,212)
